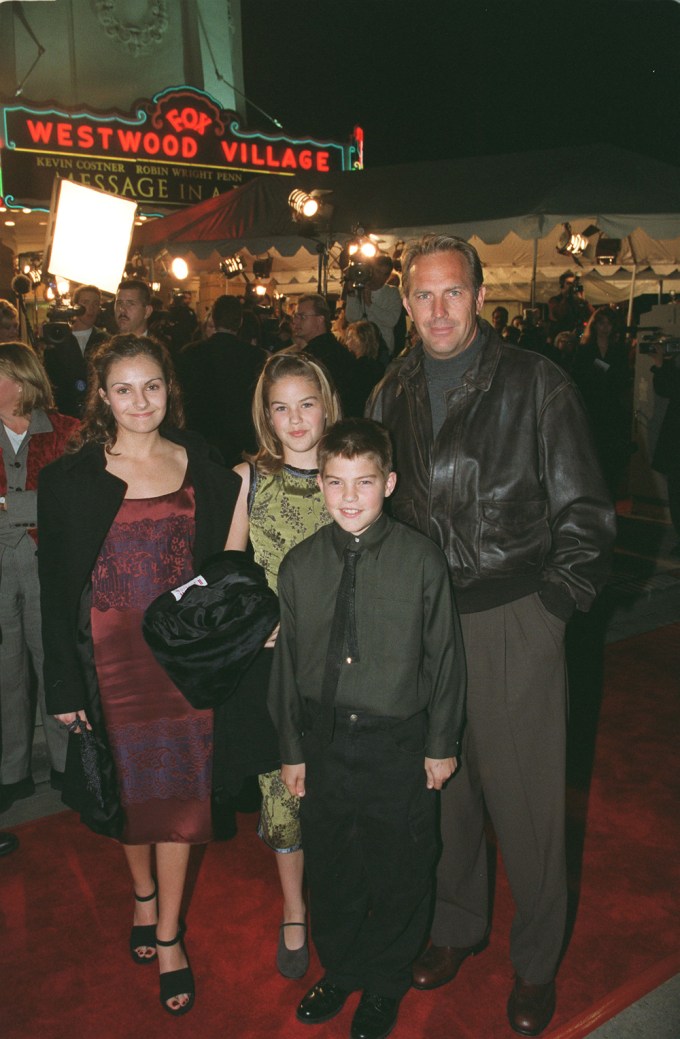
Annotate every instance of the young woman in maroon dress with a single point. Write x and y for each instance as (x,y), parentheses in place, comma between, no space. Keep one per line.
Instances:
(161,746)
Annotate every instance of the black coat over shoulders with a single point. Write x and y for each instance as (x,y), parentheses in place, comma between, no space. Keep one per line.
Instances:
(78,500)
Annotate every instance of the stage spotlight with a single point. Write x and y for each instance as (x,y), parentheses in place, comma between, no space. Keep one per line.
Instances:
(573,244)
(232,266)
(302,204)
(364,248)
(263,268)
(179,268)
(30,264)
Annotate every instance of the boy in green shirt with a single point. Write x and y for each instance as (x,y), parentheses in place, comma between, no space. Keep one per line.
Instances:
(367,693)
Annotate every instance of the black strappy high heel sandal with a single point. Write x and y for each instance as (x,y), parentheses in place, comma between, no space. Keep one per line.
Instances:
(143,934)
(175,983)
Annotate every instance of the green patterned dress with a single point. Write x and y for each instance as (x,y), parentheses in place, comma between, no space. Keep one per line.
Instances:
(284,509)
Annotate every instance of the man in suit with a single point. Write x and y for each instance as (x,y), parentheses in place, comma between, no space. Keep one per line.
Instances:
(218,376)
(66,359)
(312,324)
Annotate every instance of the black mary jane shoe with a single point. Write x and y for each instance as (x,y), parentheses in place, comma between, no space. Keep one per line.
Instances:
(175,983)
(323,1001)
(143,935)
(375,1017)
(292,963)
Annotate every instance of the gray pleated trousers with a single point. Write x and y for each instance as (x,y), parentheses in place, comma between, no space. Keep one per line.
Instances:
(21,665)
(513,759)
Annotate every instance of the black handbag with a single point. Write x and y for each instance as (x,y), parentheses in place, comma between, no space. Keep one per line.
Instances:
(208,632)
(90,785)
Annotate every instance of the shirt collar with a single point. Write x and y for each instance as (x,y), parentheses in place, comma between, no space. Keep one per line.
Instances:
(370,540)
(40,422)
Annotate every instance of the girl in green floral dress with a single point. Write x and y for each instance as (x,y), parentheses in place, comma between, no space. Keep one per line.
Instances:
(280,504)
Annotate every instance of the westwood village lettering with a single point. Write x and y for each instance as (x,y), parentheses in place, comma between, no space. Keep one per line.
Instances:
(116,140)
(174,149)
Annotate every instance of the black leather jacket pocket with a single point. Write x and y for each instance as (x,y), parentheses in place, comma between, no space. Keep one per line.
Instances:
(514,537)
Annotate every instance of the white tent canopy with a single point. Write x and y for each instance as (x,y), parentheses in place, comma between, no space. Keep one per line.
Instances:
(513,208)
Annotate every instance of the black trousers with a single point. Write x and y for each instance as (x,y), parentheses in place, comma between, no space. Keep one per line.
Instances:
(369,834)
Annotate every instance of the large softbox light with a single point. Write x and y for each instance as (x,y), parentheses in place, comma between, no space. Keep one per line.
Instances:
(88,235)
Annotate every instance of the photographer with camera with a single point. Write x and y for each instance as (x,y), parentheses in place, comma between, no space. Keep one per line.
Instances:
(376,301)
(70,336)
(569,311)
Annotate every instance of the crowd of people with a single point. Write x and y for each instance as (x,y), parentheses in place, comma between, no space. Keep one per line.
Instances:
(426,557)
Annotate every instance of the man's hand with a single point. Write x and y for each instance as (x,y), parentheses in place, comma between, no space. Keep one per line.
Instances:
(293,777)
(438,770)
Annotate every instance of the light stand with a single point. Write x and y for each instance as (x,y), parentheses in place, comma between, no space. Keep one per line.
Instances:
(20,286)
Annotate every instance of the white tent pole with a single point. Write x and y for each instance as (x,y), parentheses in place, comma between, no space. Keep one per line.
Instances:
(533,274)
(631,295)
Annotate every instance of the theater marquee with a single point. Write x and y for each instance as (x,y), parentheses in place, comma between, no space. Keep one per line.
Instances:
(176,149)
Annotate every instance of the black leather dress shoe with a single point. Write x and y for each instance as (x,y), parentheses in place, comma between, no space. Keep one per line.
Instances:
(11,792)
(439,964)
(323,1001)
(531,1007)
(8,843)
(375,1017)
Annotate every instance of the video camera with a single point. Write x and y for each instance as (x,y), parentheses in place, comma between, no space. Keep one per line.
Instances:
(58,324)
(357,274)
(576,287)
(654,340)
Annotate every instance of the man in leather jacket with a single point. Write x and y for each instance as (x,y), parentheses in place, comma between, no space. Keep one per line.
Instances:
(496,465)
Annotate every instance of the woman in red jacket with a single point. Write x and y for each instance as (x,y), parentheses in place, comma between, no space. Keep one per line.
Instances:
(32,434)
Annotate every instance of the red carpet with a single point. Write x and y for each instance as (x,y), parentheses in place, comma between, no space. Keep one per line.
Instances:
(65,908)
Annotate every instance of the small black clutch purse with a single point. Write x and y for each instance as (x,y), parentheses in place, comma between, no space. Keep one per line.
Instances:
(208,632)
(90,785)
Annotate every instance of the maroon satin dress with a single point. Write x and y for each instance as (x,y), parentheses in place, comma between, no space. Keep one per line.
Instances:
(161,745)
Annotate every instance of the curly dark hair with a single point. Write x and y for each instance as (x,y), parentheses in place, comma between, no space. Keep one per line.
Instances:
(98,424)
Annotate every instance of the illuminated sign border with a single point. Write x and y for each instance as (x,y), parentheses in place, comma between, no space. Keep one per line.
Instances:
(181,134)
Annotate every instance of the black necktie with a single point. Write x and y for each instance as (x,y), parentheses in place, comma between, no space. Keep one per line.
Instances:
(344,622)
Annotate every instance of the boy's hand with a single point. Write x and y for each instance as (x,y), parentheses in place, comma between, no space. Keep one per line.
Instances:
(438,770)
(294,778)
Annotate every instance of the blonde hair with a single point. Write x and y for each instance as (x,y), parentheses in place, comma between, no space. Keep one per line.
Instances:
(269,456)
(364,333)
(19,362)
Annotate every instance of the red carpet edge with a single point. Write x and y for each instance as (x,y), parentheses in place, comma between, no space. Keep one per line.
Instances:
(613,1003)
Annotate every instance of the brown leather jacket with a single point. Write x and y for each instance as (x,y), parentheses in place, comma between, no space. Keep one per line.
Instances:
(511,489)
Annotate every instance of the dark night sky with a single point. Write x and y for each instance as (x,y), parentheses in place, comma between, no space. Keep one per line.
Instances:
(431,79)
